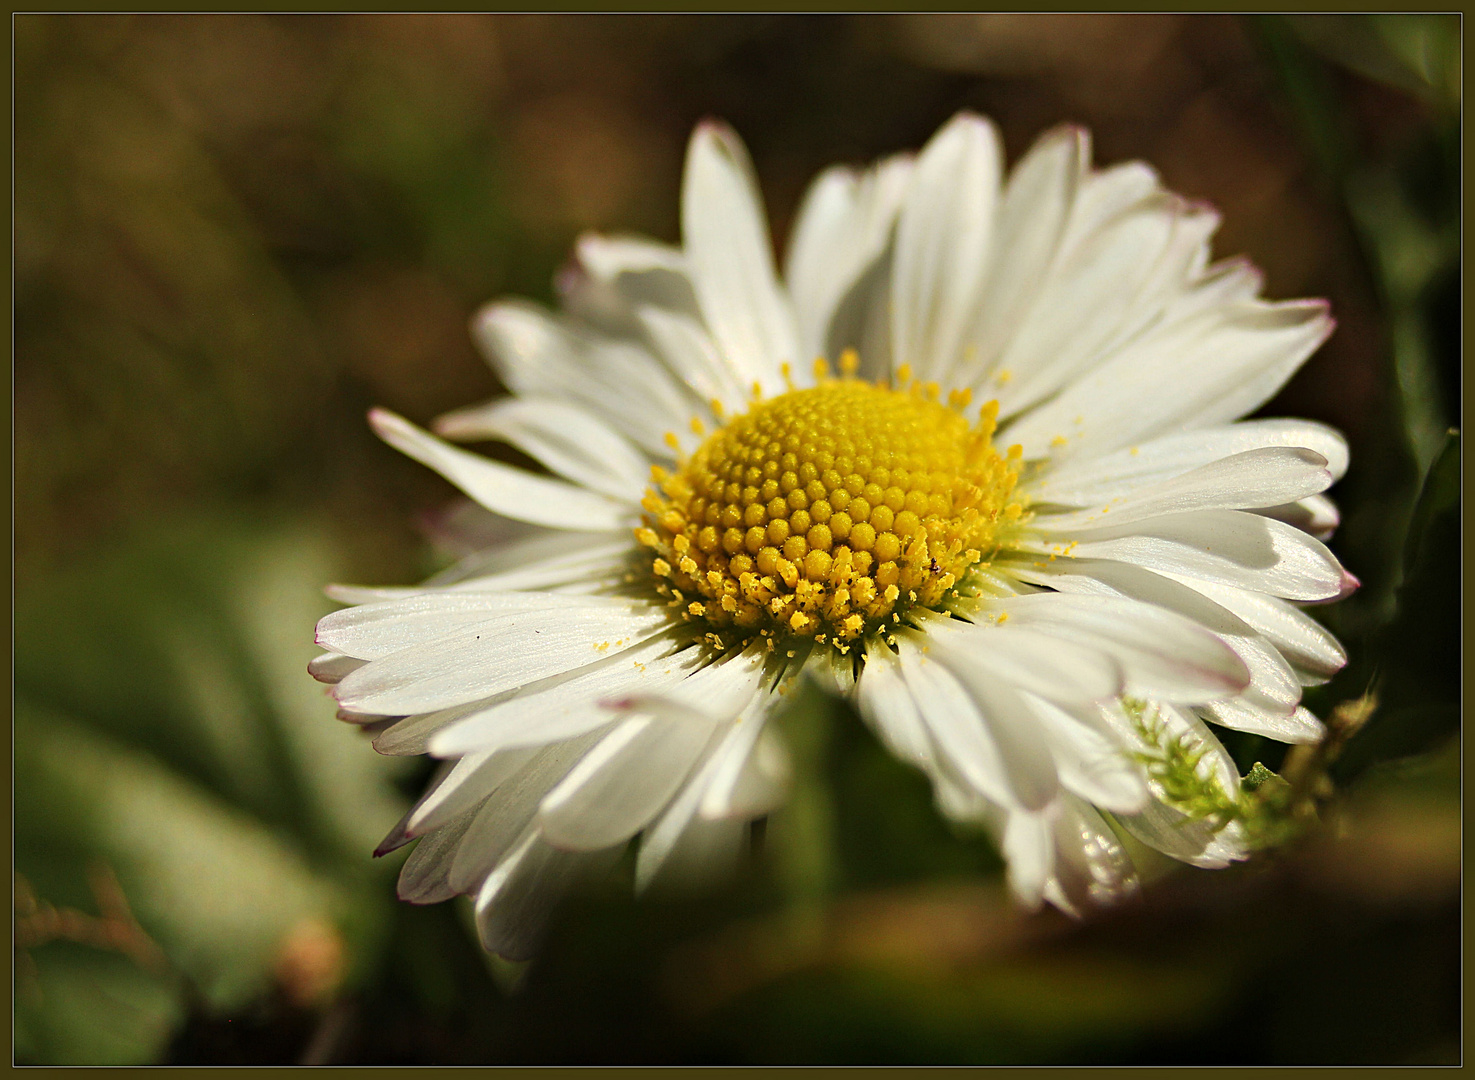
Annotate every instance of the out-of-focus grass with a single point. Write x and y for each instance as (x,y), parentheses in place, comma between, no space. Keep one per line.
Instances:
(234,233)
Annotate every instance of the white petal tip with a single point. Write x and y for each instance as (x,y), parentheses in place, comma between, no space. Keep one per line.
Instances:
(457,425)
(1348,585)
(967,118)
(330,667)
(713,130)
(389,425)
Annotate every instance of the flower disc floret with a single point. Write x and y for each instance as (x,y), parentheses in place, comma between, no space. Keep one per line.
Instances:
(822,512)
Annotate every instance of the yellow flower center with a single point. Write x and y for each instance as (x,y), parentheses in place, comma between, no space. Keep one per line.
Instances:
(824,512)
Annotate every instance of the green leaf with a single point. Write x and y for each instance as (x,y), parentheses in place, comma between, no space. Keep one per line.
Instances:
(81,1006)
(215,888)
(1416,657)
(1417,53)
(1408,253)
(1438,505)
(192,643)
(168,737)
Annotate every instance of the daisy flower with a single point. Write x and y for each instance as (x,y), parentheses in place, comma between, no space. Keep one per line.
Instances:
(974,461)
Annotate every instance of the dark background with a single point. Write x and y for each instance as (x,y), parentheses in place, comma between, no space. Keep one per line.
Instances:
(234,234)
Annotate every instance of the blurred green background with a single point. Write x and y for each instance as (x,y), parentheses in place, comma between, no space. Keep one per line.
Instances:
(233,234)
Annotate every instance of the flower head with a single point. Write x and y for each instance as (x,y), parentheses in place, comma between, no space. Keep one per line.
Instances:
(975,461)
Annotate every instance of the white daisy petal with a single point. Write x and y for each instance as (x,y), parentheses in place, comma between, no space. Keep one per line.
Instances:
(544,713)
(637,396)
(612,276)
(1038,662)
(331,667)
(954,726)
(412,735)
(500,823)
(373,631)
(842,226)
(527,348)
(983,729)
(1085,480)
(1104,196)
(621,784)
(718,694)
(1240,355)
(595,560)
(958,800)
(726,240)
(1255,478)
(1316,515)
(425,876)
(1032,219)
(489,543)
(1091,869)
(863,320)
(1091,765)
(397,838)
(610,257)
(697,842)
(1162,654)
(943,237)
(1029,847)
(722,795)
(1016,731)
(691,353)
(823,225)
(1224,282)
(761,784)
(562,708)
(518,898)
(535,355)
(567,439)
(553,559)
(1167,291)
(1196,842)
(1204,843)
(499,654)
(720,690)
(501,488)
(1297,726)
(1273,685)
(371,722)
(470,780)
(1113,285)
(1101,577)
(1123,238)
(887,705)
(832,672)
(1227,547)
(1300,639)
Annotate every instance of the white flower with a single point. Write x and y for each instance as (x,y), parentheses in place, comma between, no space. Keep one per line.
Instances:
(1033,626)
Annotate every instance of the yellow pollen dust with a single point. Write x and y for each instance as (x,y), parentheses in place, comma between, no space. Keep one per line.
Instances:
(822,512)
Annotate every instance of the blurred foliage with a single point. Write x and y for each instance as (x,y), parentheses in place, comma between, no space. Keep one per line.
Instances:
(175,774)
(235,233)
(1405,209)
